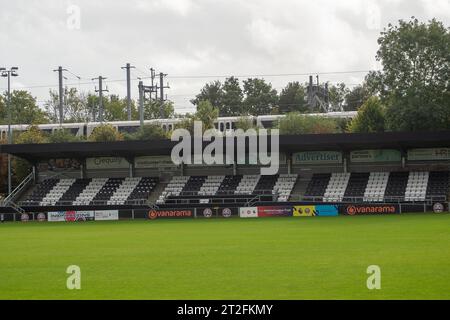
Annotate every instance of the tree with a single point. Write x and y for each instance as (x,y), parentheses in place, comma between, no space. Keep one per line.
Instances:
(370,117)
(296,123)
(152,109)
(232,97)
(212,92)
(414,81)
(105,133)
(293,98)
(24,109)
(260,97)
(63,135)
(115,108)
(207,114)
(337,94)
(245,123)
(356,97)
(74,106)
(148,132)
(21,168)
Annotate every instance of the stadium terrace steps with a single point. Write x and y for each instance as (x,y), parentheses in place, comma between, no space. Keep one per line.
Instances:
(228,187)
(376,186)
(396,186)
(357,185)
(284,185)
(95,191)
(326,187)
(317,185)
(336,187)
(438,184)
(52,197)
(416,187)
(73,192)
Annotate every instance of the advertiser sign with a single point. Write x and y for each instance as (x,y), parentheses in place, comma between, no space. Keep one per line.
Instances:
(382,155)
(315,210)
(162,213)
(60,216)
(249,212)
(106,215)
(317,157)
(429,154)
(57,216)
(149,162)
(274,211)
(357,209)
(106,163)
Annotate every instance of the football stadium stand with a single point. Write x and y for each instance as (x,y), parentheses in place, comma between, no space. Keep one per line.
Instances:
(334,169)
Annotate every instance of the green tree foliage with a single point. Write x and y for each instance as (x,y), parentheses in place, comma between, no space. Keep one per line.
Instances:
(207,114)
(20,167)
(293,98)
(63,135)
(152,110)
(370,118)
(186,123)
(75,106)
(24,109)
(148,132)
(232,98)
(105,133)
(356,97)
(336,95)
(414,83)
(212,92)
(245,123)
(260,97)
(295,123)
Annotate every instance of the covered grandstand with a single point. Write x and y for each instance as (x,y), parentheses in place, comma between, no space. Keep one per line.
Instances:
(409,171)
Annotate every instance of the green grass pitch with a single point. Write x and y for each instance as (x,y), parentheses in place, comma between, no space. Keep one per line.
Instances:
(270,258)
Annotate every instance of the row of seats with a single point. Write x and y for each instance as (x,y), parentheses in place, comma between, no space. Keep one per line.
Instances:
(95,191)
(378,186)
(275,186)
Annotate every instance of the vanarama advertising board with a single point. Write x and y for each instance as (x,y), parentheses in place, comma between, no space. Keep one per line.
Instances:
(317,157)
(170,213)
(360,209)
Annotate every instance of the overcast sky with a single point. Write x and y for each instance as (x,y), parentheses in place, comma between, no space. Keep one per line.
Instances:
(196,38)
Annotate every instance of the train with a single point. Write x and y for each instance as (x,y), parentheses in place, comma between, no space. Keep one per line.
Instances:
(222,124)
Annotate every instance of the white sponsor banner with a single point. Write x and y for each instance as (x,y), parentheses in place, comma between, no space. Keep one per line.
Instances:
(429,154)
(102,215)
(106,163)
(84,215)
(57,216)
(153,162)
(249,212)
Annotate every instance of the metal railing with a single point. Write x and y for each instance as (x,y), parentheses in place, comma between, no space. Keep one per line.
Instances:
(22,186)
(389,199)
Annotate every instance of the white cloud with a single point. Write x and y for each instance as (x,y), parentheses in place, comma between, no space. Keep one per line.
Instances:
(198,37)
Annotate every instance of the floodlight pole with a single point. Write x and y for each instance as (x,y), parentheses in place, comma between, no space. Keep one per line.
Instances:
(8,73)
